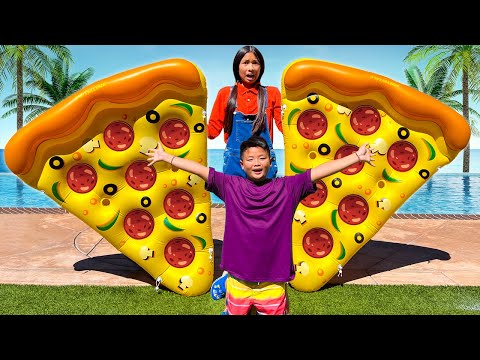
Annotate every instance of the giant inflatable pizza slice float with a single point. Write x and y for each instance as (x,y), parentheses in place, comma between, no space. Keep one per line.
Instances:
(329,110)
(88,153)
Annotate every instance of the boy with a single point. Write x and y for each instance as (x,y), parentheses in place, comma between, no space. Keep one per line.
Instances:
(257,244)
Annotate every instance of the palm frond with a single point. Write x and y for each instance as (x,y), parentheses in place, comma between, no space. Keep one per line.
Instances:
(447,68)
(415,78)
(47,90)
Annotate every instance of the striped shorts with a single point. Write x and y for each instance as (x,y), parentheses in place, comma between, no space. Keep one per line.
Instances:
(268,298)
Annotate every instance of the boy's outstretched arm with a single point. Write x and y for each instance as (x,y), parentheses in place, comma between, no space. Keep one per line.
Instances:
(331,167)
(159,154)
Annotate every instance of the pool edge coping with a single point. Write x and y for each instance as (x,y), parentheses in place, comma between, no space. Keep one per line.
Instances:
(19,210)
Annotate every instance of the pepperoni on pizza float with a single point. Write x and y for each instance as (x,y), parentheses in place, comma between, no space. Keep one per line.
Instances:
(329,110)
(88,153)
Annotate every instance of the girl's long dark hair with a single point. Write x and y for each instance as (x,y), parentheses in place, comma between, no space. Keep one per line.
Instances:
(258,123)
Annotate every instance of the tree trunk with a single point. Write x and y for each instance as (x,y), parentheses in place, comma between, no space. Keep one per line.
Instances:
(19,94)
(466,159)
(465,107)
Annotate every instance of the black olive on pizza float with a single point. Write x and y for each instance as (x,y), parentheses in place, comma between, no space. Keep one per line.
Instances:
(424,174)
(152,116)
(146,201)
(403,133)
(56,162)
(336,183)
(313,98)
(110,189)
(201,218)
(359,238)
(199,128)
(324,149)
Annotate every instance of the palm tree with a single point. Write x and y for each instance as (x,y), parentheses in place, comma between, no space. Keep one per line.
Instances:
(61,85)
(463,62)
(436,86)
(17,59)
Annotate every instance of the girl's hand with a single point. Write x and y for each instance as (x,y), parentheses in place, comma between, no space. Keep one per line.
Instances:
(365,154)
(157,154)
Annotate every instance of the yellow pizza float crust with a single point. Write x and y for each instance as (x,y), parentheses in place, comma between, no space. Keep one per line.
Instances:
(157,216)
(412,134)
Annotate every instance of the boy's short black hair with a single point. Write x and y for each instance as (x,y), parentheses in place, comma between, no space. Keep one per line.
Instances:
(254,141)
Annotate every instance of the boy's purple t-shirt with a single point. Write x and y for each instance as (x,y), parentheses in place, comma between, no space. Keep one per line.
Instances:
(257,243)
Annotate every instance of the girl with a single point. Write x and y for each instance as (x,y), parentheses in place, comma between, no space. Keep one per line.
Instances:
(242,110)
(245,109)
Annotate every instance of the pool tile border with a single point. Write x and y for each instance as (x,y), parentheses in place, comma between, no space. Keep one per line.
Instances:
(18,210)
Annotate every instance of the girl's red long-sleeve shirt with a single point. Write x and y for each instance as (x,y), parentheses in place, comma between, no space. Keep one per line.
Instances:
(247,104)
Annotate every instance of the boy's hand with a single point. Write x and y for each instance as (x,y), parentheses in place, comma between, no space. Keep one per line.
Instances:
(157,154)
(366,154)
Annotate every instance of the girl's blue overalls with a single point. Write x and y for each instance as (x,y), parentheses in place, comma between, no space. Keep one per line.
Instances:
(242,125)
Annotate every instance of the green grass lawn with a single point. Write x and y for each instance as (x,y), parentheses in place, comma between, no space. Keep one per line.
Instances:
(144,300)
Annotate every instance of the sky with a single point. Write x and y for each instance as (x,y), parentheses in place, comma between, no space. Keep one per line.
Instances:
(215,61)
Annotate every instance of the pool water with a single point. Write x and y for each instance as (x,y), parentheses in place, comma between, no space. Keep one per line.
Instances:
(449,191)
(445,194)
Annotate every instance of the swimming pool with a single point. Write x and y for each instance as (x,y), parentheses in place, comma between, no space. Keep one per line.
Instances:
(446,192)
